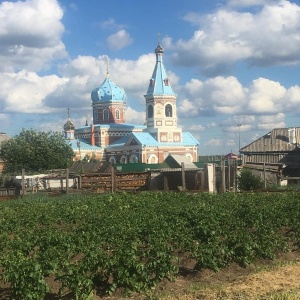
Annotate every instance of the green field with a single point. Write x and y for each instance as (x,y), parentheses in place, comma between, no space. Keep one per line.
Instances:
(99,244)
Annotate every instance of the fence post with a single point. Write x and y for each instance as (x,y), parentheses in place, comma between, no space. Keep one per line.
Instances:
(229,164)
(234,179)
(113,179)
(166,182)
(23,182)
(67,181)
(223,186)
(183,177)
(201,180)
(265,177)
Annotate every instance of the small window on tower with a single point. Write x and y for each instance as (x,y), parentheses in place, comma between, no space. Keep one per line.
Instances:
(117,114)
(96,114)
(167,82)
(150,111)
(105,115)
(168,110)
(152,82)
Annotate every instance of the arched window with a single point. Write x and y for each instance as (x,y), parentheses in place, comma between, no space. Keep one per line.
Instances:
(152,159)
(150,111)
(123,159)
(134,158)
(105,115)
(168,110)
(113,160)
(167,82)
(189,156)
(117,114)
(96,114)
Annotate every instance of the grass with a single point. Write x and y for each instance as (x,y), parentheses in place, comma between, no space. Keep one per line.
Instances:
(293,294)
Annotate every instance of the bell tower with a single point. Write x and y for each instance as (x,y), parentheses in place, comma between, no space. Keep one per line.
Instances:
(161,114)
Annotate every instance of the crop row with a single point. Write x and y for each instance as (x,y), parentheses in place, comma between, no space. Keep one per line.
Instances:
(90,244)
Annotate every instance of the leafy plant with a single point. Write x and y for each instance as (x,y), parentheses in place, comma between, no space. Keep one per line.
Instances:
(131,242)
(248,181)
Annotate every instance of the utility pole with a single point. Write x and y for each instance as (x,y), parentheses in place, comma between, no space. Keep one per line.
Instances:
(239,125)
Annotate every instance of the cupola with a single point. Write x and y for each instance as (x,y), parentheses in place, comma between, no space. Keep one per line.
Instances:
(108,102)
(69,128)
(108,91)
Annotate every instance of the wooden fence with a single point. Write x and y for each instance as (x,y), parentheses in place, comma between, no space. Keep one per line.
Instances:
(212,178)
(9,193)
(112,182)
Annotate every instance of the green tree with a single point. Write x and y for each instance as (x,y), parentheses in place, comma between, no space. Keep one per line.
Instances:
(36,151)
(247,181)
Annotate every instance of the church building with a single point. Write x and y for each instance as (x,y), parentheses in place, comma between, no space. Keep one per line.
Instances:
(111,139)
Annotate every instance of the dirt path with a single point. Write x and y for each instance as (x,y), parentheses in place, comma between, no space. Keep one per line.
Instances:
(283,279)
(259,281)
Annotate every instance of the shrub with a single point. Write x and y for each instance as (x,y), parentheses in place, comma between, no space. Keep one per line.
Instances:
(247,181)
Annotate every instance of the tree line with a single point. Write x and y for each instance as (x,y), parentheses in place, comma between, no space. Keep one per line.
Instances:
(36,151)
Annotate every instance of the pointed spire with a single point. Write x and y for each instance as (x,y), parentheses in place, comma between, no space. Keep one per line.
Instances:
(107,68)
(69,127)
(86,121)
(159,82)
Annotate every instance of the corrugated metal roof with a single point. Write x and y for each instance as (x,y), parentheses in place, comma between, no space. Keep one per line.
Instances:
(83,145)
(146,139)
(175,161)
(127,126)
(274,141)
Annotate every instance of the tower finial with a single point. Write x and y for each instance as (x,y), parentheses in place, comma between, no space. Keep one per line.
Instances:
(86,121)
(68,109)
(158,37)
(107,68)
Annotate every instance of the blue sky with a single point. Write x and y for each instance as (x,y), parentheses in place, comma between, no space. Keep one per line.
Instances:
(231,62)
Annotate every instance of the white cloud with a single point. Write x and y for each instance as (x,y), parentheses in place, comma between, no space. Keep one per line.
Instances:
(231,143)
(248,3)
(196,127)
(30,34)
(216,95)
(135,117)
(267,37)
(214,142)
(4,118)
(119,40)
(111,24)
(25,91)
(187,108)
(227,96)
(266,96)
(73,6)
(28,92)
(270,122)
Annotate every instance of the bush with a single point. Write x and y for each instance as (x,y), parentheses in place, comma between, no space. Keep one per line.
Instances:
(247,181)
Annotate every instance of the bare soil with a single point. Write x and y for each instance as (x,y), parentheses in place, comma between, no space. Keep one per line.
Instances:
(256,281)
(261,280)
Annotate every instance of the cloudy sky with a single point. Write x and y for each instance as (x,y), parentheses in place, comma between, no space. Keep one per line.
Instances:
(234,64)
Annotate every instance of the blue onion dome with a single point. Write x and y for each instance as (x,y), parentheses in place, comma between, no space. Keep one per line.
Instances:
(108,91)
(69,125)
(159,49)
